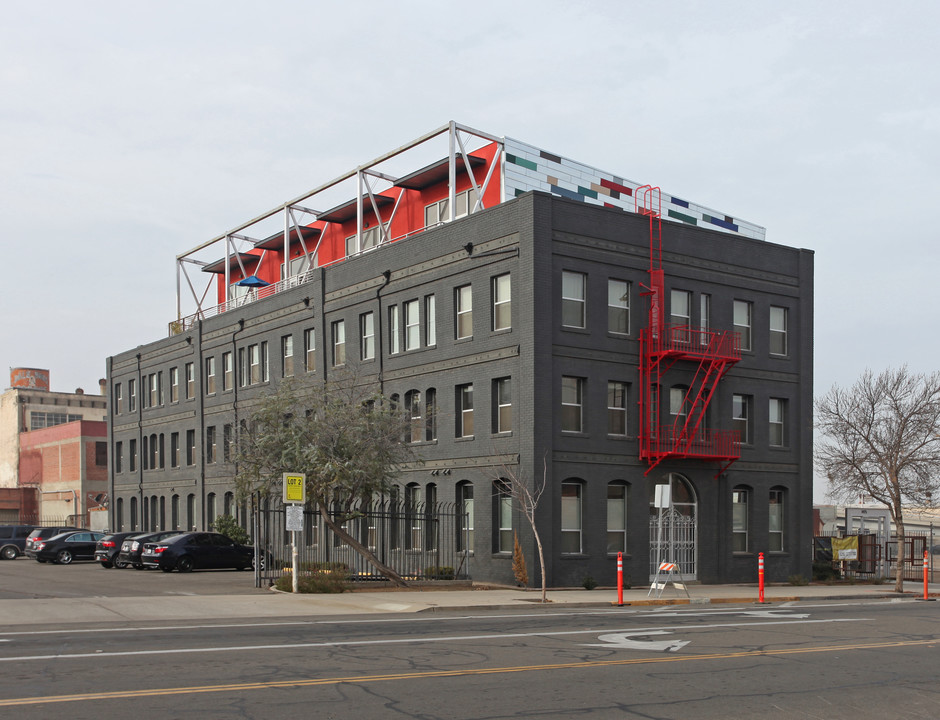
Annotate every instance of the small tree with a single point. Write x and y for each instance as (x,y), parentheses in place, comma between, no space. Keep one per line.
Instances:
(228,526)
(882,438)
(346,440)
(526,494)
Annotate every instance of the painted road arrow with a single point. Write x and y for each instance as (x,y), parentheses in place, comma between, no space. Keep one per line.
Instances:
(625,641)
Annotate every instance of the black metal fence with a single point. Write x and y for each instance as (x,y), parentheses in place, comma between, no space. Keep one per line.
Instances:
(418,541)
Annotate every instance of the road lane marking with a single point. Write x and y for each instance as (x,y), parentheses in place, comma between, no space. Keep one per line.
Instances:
(360,679)
(626,641)
(415,640)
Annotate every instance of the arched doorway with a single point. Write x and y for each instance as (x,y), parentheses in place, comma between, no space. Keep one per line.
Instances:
(675,539)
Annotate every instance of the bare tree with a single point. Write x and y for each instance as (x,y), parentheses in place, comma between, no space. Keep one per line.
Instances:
(347,441)
(526,494)
(882,438)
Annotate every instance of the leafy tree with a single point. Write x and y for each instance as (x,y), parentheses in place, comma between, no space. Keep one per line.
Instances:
(347,441)
(882,438)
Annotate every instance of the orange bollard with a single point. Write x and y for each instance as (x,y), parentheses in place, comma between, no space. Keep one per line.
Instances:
(926,572)
(760,577)
(620,579)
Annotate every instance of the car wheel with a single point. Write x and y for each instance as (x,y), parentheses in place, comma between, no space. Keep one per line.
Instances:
(9,553)
(120,564)
(184,564)
(64,557)
(107,565)
(166,569)
(253,562)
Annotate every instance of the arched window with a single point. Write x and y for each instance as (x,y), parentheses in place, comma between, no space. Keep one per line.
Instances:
(414,511)
(210,510)
(465,516)
(430,516)
(775,519)
(414,408)
(119,515)
(571,541)
(175,512)
(740,501)
(616,517)
(190,512)
(133,522)
(430,414)
(162,512)
(502,512)
(154,518)
(228,504)
(145,514)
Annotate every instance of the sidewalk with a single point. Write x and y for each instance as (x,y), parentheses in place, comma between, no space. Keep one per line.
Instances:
(22,614)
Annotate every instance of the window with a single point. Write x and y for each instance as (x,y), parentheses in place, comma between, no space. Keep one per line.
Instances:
(465,410)
(739,520)
(228,371)
(502,402)
(502,302)
(616,407)
(160,398)
(227,442)
(778,330)
(572,389)
(310,346)
(190,447)
(210,444)
(618,307)
(430,415)
(775,521)
(371,237)
(439,211)
(118,457)
(210,509)
(503,517)
(175,512)
(413,508)
(132,455)
(132,395)
(777,416)
(156,392)
(570,518)
(572,299)
(287,356)
(145,452)
(465,517)
(394,329)
(412,326)
(464,312)
(174,384)
(430,320)
(678,405)
(741,417)
(190,381)
(162,451)
(118,399)
(339,342)
(616,517)
(174,450)
(253,364)
(742,322)
(210,376)
(680,315)
(704,316)
(414,408)
(367,336)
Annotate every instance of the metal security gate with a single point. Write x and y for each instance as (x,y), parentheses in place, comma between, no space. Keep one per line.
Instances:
(675,541)
(419,541)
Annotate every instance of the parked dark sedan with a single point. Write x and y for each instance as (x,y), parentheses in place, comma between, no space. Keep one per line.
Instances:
(13,540)
(197,550)
(43,533)
(63,549)
(133,546)
(108,549)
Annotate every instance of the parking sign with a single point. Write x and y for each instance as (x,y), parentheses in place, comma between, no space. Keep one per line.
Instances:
(295,488)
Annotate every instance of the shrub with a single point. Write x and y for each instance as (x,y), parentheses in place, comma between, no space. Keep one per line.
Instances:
(824,572)
(439,572)
(228,526)
(797,580)
(331,581)
(589,583)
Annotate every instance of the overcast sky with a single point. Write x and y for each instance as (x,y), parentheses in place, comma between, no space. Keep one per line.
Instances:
(131,132)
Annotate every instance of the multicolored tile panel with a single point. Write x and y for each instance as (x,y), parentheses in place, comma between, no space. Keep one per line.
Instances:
(529,168)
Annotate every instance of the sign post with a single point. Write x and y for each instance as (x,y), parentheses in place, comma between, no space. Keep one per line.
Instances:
(295,497)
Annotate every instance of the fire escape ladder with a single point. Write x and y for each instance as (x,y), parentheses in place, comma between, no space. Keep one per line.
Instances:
(661,347)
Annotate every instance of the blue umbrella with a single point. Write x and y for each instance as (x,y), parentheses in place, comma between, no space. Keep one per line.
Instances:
(253,281)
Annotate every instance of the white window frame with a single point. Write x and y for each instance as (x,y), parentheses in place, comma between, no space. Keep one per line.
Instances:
(463,300)
(740,500)
(778,322)
(367,336)
(616,518)
(338,333)
(465,410)
(572,522)
(618,306)
(573,299)
(503,401)
(743,322)
(412,316)
(616,413)
(572,397)
(502,302)
(430,320)
(777,422)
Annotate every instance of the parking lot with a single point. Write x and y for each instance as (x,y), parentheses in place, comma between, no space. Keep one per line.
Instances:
(24,579)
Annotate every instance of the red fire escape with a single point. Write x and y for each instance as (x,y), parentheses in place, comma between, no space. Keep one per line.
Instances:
(701,357)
